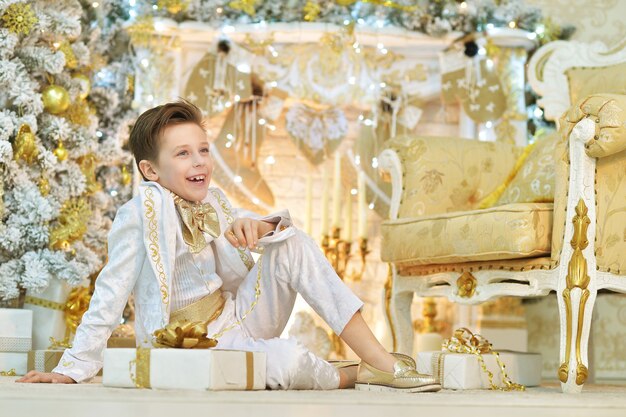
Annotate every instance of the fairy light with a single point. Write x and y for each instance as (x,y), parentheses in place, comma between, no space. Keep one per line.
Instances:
(132,3)
(98,134)
(237,97)
(238,179)
(262,122)
(374,162)
(352,80)
(489,125)
(383,85)
(155,7)
(95,4)
(145,62)
(371,206)
(228,104)
(256,201)
(353,191)
(357,160)
(270,160)
(273,84)
(271,127)
(512,24)
(228,29)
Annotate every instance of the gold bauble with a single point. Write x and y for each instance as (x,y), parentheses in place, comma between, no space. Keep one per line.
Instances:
(345,3)
(85,85)
(24,146)
(44,186)
(60,152)
(55,98)
(126,177)
(70,58)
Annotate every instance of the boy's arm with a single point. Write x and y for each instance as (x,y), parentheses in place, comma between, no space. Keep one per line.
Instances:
(112,290)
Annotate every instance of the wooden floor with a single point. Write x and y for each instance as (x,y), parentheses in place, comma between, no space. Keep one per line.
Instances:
(94,400)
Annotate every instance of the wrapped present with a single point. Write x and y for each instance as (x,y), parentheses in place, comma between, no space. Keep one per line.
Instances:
(196,369)
(121,342)
(57,311)
(468,362)
(43,360)
(16,326)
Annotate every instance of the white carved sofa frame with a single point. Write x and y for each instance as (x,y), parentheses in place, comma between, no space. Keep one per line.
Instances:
(575,278)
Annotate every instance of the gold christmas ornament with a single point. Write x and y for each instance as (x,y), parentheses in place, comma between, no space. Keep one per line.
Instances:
(71,224)
(173,6)
(126,177)
(19,18)
(55,98)
(44,186)
(345,3)
(60,152)
(246,6)
(85,85)
(80,113)
(25,146)
(141,32)
(88,167)
(311,11)
(70,59)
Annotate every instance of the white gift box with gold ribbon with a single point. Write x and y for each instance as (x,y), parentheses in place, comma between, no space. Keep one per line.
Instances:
(463,370)
(16,327)
(196,369)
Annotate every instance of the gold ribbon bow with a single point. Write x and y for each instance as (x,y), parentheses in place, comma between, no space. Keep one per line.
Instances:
(464,341)
(197,218)
(184,335)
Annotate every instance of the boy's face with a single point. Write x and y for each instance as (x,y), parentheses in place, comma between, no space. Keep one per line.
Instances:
(184,165)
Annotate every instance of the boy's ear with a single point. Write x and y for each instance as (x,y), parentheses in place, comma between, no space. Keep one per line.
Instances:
(148,171)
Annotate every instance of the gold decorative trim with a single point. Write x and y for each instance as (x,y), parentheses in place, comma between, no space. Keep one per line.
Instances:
(226,209)
(541,64)
(154,244)
(42,302)
(466,284)
(141,364)
(577,277)
(505,265)
(502,324)
(388,286)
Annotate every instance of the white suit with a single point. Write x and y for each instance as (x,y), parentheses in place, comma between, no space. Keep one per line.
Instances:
(142,253)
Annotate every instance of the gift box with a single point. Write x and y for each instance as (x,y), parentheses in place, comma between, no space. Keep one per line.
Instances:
(48,308)
(463,370)
(16,327)
(196,369)
(121,342)
(43,360)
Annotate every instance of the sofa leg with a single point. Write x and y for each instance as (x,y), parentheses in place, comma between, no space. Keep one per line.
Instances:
(398,309)
(576,296)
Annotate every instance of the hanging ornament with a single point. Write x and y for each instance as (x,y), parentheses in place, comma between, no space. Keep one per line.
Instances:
(173,6)
(70,58)
(55,98)
(71,224)
(60,152)
(246,6)
(19,18)
(80,113)
(88,167)
(24,146)
(85,85)
(44,186)
(126,177)
(311,11)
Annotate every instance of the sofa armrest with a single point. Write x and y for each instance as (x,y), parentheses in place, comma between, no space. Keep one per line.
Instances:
(431,175)
(608,112)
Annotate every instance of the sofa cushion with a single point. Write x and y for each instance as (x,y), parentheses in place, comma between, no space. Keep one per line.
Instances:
(504,232)
(584,81)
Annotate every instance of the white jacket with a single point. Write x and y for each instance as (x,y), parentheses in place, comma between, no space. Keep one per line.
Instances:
(141,255)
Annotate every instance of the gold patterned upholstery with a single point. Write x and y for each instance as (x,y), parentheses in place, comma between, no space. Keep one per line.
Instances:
(504,232)
(448,174)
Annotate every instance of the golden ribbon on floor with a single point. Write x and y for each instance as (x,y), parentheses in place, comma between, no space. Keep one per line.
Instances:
(464,341)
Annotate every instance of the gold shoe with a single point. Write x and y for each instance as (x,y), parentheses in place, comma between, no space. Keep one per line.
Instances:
(404,378)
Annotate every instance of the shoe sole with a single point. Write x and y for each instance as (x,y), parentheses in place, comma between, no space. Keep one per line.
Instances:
(385,388)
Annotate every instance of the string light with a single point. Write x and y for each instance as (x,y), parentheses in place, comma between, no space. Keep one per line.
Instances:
(270,160)
(352,80)
(238,179)
(374,162)
(357,160)
(95,4)
(262,122)
(353,191)
(256,201)
(145,63)
(371,206)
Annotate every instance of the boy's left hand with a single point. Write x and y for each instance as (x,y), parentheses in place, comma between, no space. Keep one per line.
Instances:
(245,232)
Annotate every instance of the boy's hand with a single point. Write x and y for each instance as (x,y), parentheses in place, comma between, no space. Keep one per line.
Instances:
(245,232)
(46,377)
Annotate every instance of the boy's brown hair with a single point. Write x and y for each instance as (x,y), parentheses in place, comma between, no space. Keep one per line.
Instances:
(149,126)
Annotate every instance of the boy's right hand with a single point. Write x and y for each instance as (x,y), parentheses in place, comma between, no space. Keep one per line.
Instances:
(46,377)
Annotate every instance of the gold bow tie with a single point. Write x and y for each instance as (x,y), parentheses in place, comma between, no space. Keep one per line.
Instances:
(197,218)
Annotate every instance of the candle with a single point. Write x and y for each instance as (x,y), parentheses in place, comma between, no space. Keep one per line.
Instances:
(309,203)
(348,217)
(324,199)
(337,191)
(362,206)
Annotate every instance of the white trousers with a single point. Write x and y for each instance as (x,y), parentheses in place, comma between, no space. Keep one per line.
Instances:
(295,265)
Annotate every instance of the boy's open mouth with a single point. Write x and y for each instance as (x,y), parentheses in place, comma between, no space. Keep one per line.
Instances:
(198,179)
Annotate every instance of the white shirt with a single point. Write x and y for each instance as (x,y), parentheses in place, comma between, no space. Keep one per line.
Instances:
(194,275)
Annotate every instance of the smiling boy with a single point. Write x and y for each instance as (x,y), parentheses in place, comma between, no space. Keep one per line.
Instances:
(184,252)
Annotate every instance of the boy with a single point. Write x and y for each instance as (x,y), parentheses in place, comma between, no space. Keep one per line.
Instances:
(185,253)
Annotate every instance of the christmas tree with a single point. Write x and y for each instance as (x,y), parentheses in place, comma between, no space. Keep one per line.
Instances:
(66,89)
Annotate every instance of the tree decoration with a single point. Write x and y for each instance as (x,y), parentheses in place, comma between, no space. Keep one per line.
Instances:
(71,224)
(79,113)
(55,99)
(60,152)
(311,11)
(44,186)
(126,176)
(85,85)
(70,58)
(24,146)
(19,18)
(173,6)
(88,167)
(246,6)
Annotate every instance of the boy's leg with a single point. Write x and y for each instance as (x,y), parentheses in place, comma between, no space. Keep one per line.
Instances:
(295,265)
